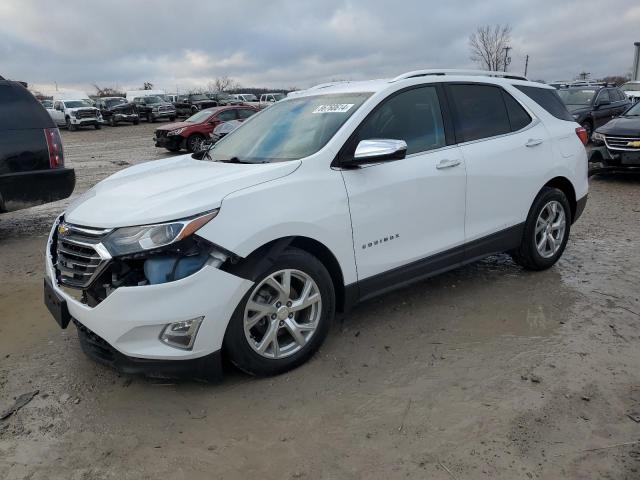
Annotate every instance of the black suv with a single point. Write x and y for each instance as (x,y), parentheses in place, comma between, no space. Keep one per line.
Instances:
(593,106)
(192,103)
(31,156)
(617,144)
(117,109)
(153,107)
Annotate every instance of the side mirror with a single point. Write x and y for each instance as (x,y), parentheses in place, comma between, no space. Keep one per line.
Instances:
(379,150)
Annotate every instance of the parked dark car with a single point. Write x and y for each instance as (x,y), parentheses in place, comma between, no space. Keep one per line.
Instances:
(616,145)
(153,108)
(116,109)
(32,168)
(195,130)
(593,106)
(223,98)
(187,105)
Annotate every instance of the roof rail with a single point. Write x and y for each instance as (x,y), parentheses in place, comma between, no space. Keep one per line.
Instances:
(424,73)
(316,87)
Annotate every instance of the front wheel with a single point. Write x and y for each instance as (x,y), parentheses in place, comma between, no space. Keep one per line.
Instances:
(284,318)
(151,118)
(70,126)
(112,121)
(97,126)
(546,231)
(194,143)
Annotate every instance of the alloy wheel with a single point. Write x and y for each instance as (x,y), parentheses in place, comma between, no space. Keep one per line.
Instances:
(282,313)
(550,229)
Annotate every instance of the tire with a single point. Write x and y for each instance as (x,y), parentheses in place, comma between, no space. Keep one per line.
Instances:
(194,142)
(172,119)
(173,149)
(97,126)
(151,118)
(70,126)
(288,353)
(528,255)
(588,126)
(112,121)
(136,122)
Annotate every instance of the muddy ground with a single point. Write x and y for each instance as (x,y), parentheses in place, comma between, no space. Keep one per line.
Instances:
(487,372)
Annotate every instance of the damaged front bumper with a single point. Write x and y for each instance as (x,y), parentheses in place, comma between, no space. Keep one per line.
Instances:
(124,329)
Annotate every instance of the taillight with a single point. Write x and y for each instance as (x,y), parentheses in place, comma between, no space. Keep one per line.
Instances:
(582,135)
(54,145)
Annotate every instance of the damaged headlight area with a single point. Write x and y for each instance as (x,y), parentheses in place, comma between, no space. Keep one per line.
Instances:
(155,254)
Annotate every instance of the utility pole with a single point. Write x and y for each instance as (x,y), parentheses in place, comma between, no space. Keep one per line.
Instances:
(526,66)
(506,57)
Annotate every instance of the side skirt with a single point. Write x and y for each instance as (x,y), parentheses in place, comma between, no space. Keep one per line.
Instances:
(428,267)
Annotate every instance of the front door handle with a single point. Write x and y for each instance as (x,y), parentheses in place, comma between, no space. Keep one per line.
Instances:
(532,142)
(448,163)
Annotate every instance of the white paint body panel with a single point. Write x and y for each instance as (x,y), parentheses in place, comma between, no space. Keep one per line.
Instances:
(492,187)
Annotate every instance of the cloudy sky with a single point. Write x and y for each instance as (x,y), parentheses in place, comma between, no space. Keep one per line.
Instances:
(299,43)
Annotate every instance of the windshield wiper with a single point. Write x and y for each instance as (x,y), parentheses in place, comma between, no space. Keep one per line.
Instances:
(232,160)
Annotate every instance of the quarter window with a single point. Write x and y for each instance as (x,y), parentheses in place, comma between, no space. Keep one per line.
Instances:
(518,116)
(413,116)
(479,112)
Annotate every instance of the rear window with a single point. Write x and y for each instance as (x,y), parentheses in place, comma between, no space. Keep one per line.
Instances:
(20,110)
(479,112)
(547,99)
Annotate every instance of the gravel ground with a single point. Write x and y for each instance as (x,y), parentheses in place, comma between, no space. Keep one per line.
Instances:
(487,372)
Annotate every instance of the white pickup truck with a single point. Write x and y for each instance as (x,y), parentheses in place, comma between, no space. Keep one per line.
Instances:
(75,113)
(267,99)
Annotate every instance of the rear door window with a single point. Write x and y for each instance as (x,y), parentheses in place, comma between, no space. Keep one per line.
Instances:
(245,113)
(603,96)
(548,99)
(19,109)
(479,111)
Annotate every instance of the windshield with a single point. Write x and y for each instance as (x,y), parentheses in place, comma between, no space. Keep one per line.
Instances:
(249,97)
(224,96)
(199,117)
(288,130)
(633,111)
(631,87)
(577,96)
(112,102)
(278,96)
(47,103)
(152,99)
(76,103)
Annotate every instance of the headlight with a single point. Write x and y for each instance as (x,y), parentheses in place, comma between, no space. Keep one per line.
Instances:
(597,137)
(154,109)
(177,131)
(72,113)
(128,240)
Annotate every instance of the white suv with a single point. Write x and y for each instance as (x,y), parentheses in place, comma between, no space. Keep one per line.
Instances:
(327,198)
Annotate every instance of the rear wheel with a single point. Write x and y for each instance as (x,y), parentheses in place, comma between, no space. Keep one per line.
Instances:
(546,231)
(194,142)
(284,318)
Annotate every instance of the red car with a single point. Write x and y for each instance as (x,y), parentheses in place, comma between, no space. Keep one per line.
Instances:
(191,133)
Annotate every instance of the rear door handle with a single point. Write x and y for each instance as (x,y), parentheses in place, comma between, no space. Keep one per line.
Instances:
(532,142)
(448,163)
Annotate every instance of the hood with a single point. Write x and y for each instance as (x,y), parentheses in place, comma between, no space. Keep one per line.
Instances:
(79,109)
(622,126)
(167,189)
(121,107)
(173,126)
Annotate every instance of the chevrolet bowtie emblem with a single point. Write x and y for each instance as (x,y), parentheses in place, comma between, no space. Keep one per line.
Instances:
(63,229)
(635,144)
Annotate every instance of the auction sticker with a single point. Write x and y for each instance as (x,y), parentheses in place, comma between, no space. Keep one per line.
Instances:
(333,108)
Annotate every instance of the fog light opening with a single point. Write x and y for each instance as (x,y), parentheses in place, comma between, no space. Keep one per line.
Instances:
(181,334)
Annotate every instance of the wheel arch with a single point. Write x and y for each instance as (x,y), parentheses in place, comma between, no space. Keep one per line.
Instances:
(565,186)
(264,256)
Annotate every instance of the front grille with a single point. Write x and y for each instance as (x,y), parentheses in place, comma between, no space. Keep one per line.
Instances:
(85,113)
(161,133)
(622,143)
(79,256)
(165,108)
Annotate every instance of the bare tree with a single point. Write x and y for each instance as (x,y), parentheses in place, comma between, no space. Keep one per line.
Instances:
(616,79)
(107,91)
(223,84)
(147,86)
(488,44)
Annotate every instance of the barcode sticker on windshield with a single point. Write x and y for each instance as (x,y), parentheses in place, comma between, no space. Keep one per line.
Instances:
(333,108)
